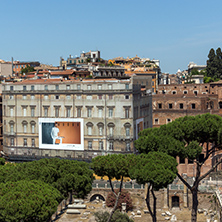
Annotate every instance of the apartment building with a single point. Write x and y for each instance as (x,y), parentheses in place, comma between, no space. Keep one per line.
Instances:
(89,117)
(18,66)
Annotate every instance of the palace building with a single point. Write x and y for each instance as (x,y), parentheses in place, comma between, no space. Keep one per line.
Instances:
(92,117)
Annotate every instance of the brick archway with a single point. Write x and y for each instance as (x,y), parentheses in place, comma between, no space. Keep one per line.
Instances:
(95,196)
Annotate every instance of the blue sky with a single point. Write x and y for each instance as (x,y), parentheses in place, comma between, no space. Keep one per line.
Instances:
(174,31)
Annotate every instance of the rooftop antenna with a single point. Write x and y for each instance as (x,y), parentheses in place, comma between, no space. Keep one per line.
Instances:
(12,66)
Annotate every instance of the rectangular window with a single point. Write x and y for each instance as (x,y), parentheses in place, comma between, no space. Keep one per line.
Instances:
(127,146)
(25,142)
(33,142)
(46,97)
(89,112)
(89,97)
(168,120)
(25,128)
(33,128)
(78,86)
(89,87)
(24,88)
(110,145)
(110,96)
(24,97)
(12,141)
(79,97)
(32,111)
(56,97)
(11,97)
(57,87)
(32,88)
(89,145)
(127,131)
(170,105)
(78,112)
(110,86)
(111,131)
(99,87)
(24,111)
(182,160)
(100,112)
(89,130)
(126,96)
(101,145)
(68,87)
(127,86)
(100,130)
(45,111)
(11,128)
(68,96)
(56,112)
(46,87)
(68,112)
(159,105)
(11,112)
(11,88)
(100,96)
(32,96)
(193,106)
(126,113)
(181,105)
(156,121)
(110,112)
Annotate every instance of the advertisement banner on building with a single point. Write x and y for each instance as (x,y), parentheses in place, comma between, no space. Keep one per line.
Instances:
(61,133)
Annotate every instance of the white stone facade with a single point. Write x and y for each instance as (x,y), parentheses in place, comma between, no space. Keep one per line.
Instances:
(108,107)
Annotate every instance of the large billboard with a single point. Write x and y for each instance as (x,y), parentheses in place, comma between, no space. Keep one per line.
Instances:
(61,133)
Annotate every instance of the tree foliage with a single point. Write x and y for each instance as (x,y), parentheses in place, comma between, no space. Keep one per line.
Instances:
(214,64)
(112,166)
(158,170)
(186,137)
(31,201)
(65,175)
(2,161)
(27,69)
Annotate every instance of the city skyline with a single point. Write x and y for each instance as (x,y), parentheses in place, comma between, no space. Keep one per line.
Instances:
(173,32)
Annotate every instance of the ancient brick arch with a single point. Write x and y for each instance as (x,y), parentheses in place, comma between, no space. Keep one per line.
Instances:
(97,196)
(101,193)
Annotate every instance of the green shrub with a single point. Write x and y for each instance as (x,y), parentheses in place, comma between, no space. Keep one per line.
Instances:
(117,217)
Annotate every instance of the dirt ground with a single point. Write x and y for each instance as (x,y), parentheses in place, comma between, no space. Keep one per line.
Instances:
(92,207)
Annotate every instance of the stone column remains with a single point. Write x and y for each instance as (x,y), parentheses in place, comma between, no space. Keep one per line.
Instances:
(185,193)
(166,199)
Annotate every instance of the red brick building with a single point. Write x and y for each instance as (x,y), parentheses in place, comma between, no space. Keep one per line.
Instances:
(178,100)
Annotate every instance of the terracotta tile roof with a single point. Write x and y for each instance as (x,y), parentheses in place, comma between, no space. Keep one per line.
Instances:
(38,81)
(30,76)
(62,72)
(140,72)
(219,82)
